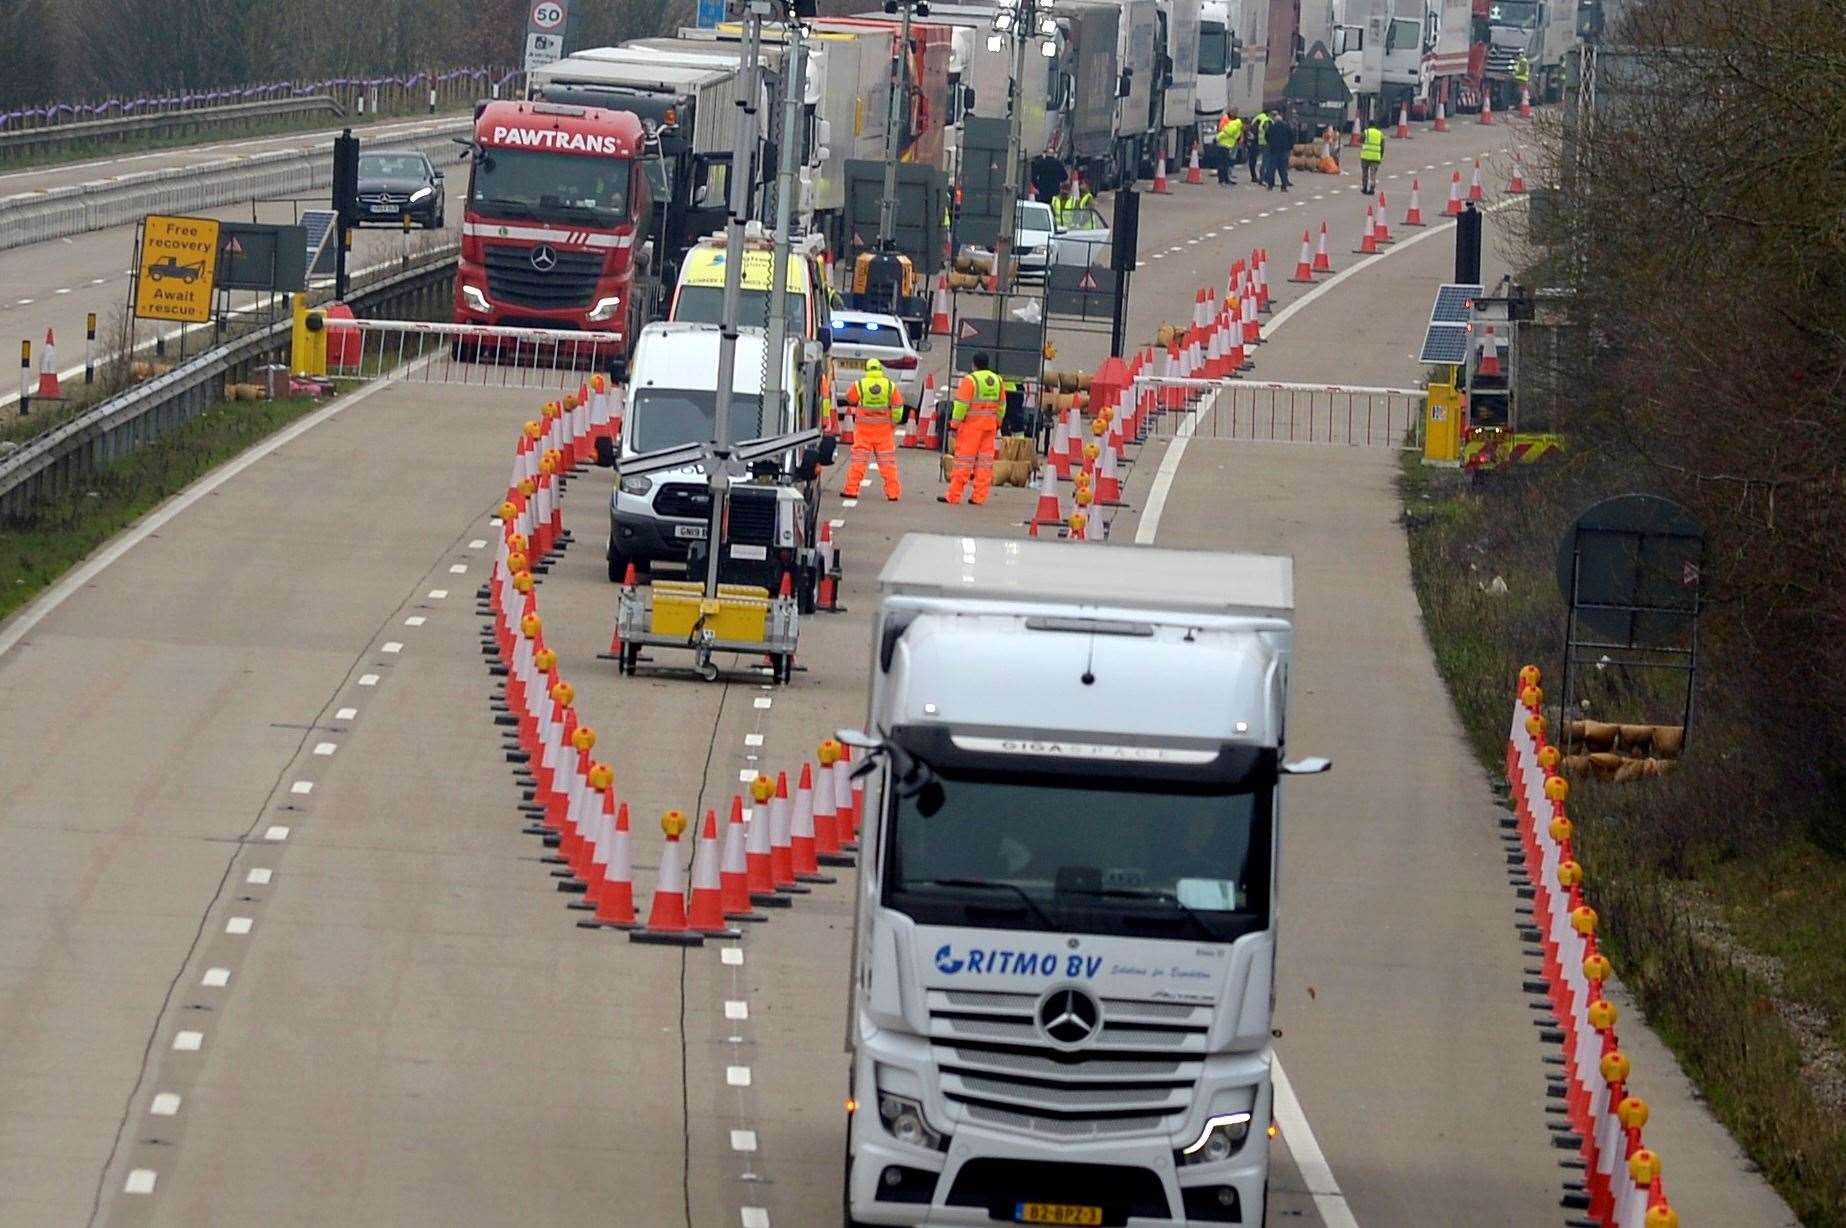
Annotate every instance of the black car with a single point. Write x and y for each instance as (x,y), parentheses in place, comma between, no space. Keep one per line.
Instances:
(394,182)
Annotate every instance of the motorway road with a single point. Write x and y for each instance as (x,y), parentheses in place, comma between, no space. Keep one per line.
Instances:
(273,947)
(56,284)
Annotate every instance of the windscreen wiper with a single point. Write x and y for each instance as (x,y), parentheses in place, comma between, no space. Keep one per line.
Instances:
(989,884)
(1148,893)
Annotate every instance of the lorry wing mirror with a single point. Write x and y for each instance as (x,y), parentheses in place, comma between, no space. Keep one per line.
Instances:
(605,452)
(858,739)
(1311,766)
(829,449)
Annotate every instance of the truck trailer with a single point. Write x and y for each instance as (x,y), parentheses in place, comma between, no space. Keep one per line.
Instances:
(1065,923)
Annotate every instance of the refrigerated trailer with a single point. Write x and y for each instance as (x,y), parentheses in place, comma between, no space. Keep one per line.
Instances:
(1065,923)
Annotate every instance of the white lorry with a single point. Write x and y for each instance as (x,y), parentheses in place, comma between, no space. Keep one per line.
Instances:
(1064,934)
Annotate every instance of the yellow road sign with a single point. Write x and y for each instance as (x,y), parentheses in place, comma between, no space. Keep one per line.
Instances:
(179,258)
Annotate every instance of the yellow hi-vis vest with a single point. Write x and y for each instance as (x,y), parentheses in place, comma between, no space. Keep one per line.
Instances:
(874,399)
(1230,135)
(1373,150)
(988,399)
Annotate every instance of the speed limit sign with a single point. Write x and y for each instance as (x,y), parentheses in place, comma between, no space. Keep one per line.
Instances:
(547,15)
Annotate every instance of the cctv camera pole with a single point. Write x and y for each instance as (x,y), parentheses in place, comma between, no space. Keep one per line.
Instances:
(719,477)
(793,87)
(900,93)
(1025,15)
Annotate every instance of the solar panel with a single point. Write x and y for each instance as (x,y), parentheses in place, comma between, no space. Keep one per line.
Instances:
(319,225)
(1445,343)
(1452,303)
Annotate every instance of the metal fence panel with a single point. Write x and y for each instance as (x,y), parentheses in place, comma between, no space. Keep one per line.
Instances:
(1351,416)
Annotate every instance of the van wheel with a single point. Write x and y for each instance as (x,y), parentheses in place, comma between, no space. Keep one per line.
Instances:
(618,566)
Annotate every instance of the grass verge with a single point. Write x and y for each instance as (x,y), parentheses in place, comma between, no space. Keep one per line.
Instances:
(34,554)
(1730,929)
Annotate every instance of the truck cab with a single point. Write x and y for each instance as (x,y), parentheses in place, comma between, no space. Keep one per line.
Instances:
(672,401)
(1059,1009)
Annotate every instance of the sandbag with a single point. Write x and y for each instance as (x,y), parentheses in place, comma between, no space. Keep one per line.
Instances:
(1669,740)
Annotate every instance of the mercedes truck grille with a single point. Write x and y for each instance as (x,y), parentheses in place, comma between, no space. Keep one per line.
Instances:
(567,279)
(1133,1076)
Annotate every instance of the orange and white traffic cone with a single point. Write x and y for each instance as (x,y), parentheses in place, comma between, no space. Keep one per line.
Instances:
(1381,226)
(846,801)
(1415,216)
(781,840)
(939,314)
(733,869)
(827,595)
(1108,480)
(615,905)
(1304,267)
(1323,263)
(1525,102)
(1160,174)
(1252,322)
(705,913)
(1192,167)
(1487,110)
(1490,354)
(1057,458)
(1477,191)
(666,917)
(1517,186)
(1260,261)
(1368,240)
(801,831)
(1403,121)
(601,807)
(1353,139)
(828,849)
(1453,209)
(1047,511)
(759,877)
(48,389)
(931,415)
(1442,117)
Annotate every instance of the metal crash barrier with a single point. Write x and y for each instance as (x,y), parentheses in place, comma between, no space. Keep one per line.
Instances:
(430,353)
(1354,416)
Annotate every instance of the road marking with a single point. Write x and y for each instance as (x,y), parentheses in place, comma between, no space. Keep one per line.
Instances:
(415,620)
(733,956)
(743,1140)
(239,925)
(1315,1172)
(392,647)
(216,978)
(477,544)
(276,834)
(345,714)
(368,679)
(1160,255)
(325,748)
(83,576)
(302,787)
(99,281)
(849,503)
(437,594)
(736,1009)
(763,701)
(166,1104)
(753,739)
(736,1076)
(459,569)
(259,877)
(188,1042)
(141,1181)
(61,292)
(755,1217)
(746,775)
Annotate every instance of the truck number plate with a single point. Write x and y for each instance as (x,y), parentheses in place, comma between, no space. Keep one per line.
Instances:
(1056,1213)
(695,531)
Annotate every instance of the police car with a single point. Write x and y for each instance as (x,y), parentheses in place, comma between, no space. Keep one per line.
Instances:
(859,335)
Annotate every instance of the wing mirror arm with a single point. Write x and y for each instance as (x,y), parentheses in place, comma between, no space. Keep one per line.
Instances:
(1314,765)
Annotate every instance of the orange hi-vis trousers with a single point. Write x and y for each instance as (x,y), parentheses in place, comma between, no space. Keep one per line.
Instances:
(874,436)
(974,455)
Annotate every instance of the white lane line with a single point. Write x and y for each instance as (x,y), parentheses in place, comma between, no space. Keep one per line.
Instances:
(415,620)
(188,1042)
(325,748)
(140,1181)
(849,503)
(166,1104)
(25,302)
(763,701)
(61,292)
(345,714)
(437,594)
(368,679)
(302,787)
(392,647)
(81,578)
(753,739)
(746,775)
(259,877)
(216,978)
(276,834)
(477,544)
(736,1009)
(755,1217)
(99,281)
(737,1076)
(459,569)
(743,1140)
(239,925)
(733,956)
(1315,1173)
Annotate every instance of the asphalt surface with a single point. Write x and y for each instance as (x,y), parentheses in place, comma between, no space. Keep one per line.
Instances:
(384,1013)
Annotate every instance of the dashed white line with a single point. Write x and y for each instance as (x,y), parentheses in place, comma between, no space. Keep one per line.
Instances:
(415,620)
(437,594)
(736,1076)
(755,1217)
(166,1104)
(477,544)
(65,291)
(392,647)
(743,1140)
(746,775)
(458,569)
(753,739)
(239,925)
(259,877)
(345,714)
(99,281)
(216,978)
(302,787)
(25,302)
(733,956)
(325,748)
(368,679)
(276,834)
(736,1009)
(188,1042)
(141,1181)
(849,503)
(763,701)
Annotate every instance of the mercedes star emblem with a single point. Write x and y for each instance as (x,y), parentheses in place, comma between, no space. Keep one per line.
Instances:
(544,259)
(1069,1018)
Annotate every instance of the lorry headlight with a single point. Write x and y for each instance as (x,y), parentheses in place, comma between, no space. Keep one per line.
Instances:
(637,486)
(606,307)
(474,300)
(903,1118)
(1223,1134)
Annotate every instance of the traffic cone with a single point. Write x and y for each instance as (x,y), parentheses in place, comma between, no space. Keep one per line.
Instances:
(733,869)
(828,595)
(847,799)
(1108,480)
(1160,174)
(1486,109)
(829,823)
(666,917)
(601,807)
(1442,117)
(1381,227)
(1252,324)
(1047,511)
(1490,354)
(1403,121)
(801,831)
(759,878)
(706,912)
(615,904)
(781,848)
(1477,192)
(845,414)
(1058,458)
(1415,216)
(1323,263)
(939,316)
(1525,102)
(615,638)
(1454,206)
(1518,185)
(1093,527)
(1354,140)
(48,371)
(1368,242)
(931,415)
(1192,167)
(913,433)
(1261,262)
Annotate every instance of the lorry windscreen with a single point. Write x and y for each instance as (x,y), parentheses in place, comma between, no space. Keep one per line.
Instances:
(1513,13)
(530,183)
(1214,57)
(672,417)
(1106,855)
(705,305)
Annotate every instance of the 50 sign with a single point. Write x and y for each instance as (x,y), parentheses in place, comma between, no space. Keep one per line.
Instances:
(547,15)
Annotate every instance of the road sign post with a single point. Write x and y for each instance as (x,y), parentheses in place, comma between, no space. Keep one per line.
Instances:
(547,26)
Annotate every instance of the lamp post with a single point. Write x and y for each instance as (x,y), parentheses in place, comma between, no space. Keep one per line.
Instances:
(1021,22)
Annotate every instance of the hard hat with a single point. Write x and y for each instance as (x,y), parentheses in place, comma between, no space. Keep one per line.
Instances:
(874,367)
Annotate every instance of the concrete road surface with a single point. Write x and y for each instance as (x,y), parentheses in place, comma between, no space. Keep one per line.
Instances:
(273,947)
